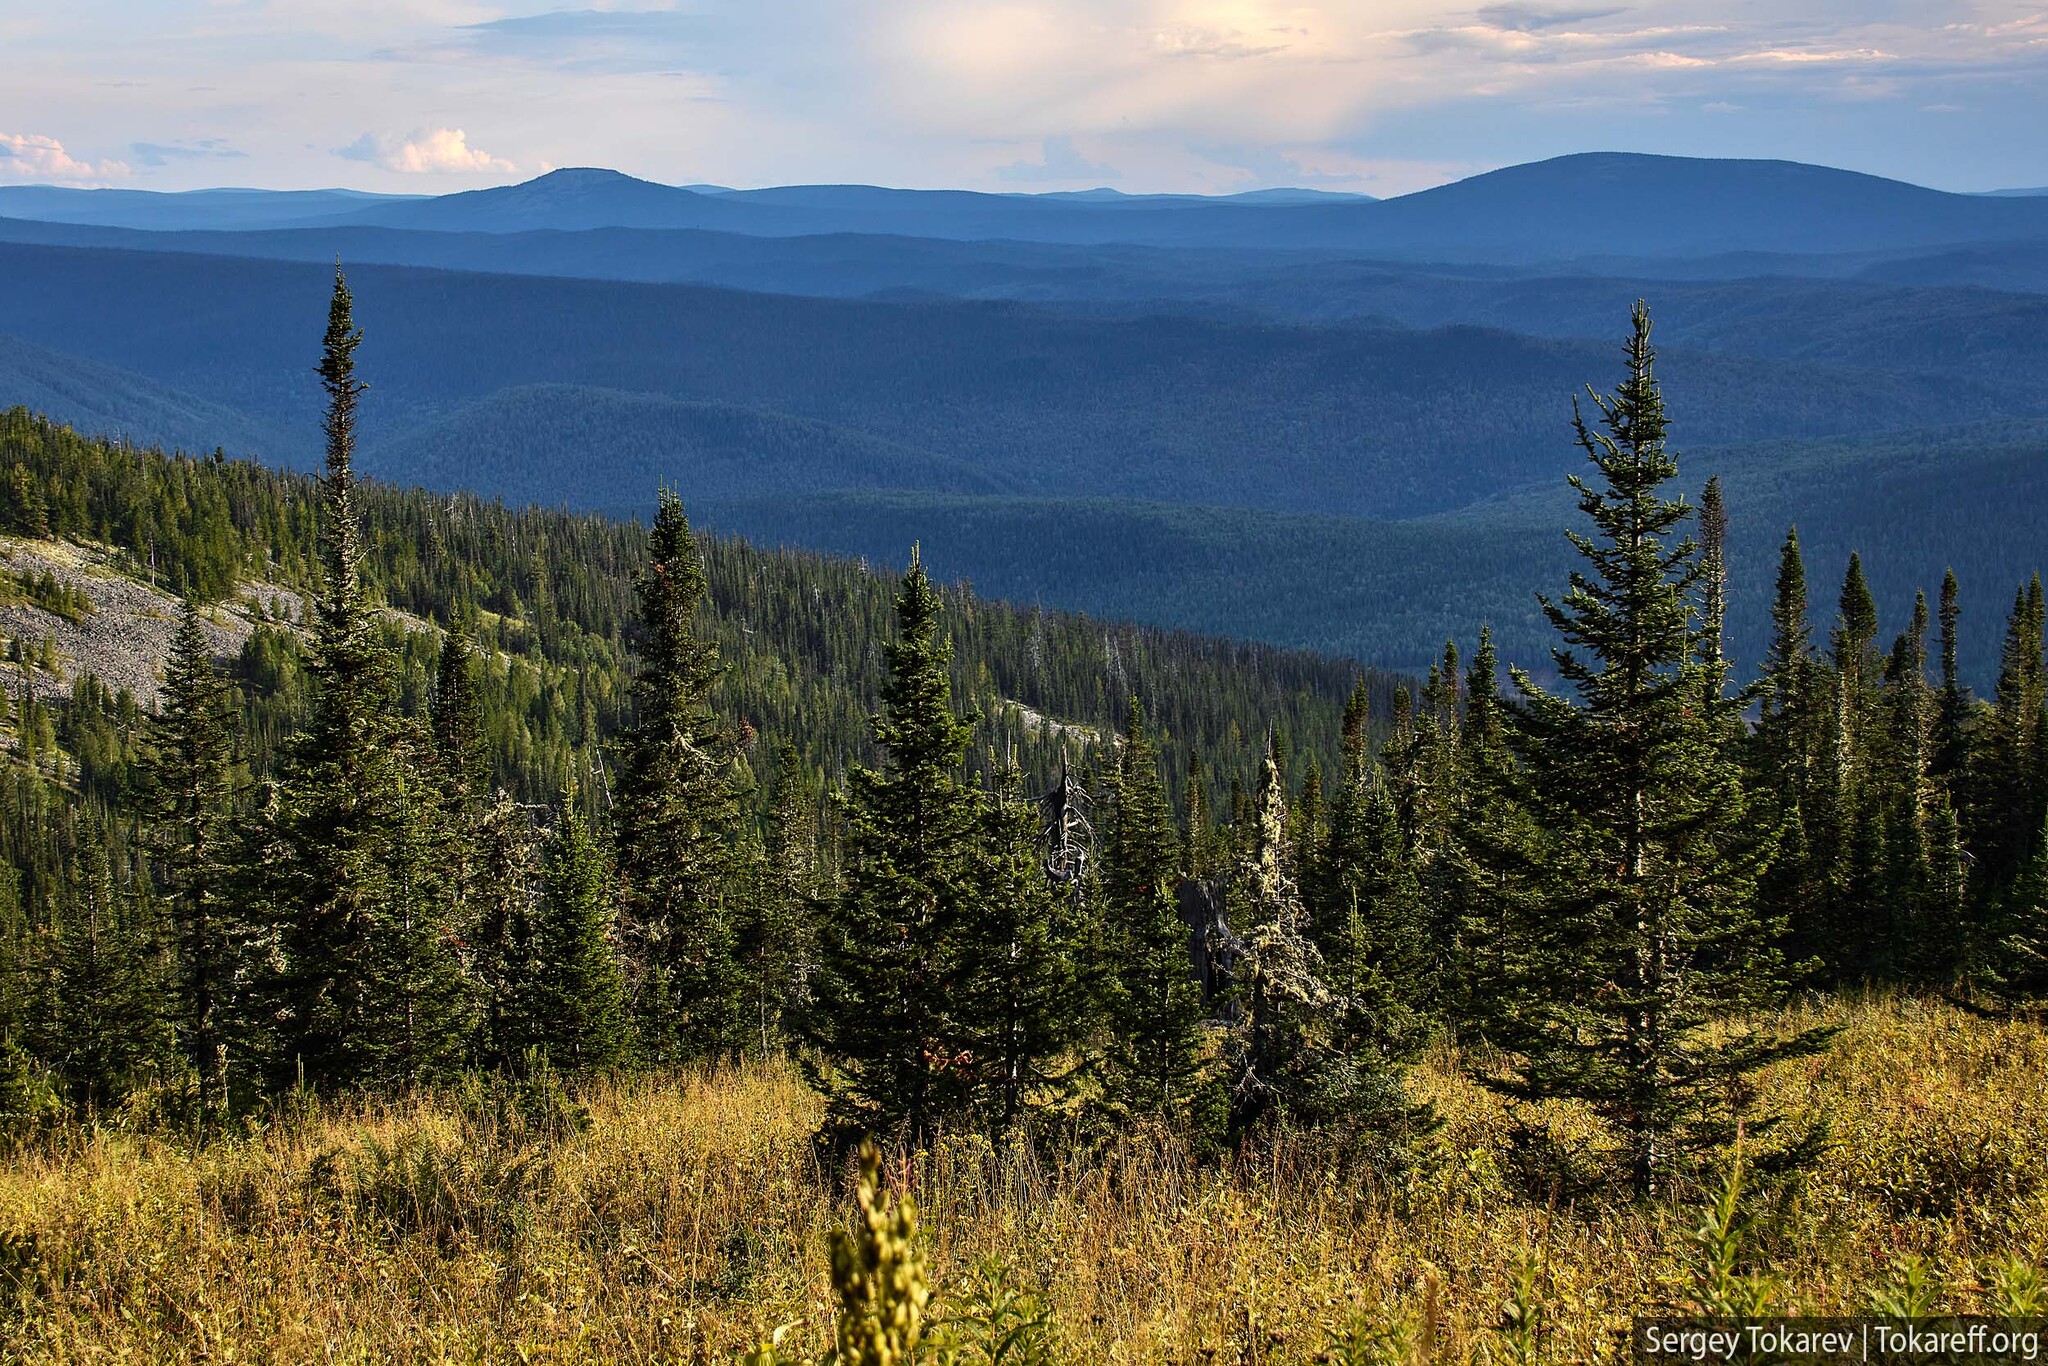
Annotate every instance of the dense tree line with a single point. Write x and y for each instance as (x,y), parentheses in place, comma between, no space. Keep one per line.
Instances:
(548,599)
(1387,590)
(336,875)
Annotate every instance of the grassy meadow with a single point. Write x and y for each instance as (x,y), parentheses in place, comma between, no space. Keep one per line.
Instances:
(685,1218)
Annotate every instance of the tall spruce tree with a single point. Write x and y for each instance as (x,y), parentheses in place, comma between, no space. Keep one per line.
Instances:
(457,720)
(1917,944)
(1952,712)
(2008,806)
(2007,796)
(1490,838)
(887,1015)
(190,770)
(1153,1062)
(471,829)
(1202,850)
(1645,953)
(372,986)
(1785,769)
(677,815)
(777,940)
(1713,577)
(1372,931)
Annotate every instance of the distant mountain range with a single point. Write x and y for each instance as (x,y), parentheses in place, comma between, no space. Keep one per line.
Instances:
(235,209)
(1587,205)
(1314,419)
(1298,284)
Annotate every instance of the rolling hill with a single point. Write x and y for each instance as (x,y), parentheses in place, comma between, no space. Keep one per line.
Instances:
(1391,592)
(1897,313)
(106,400)
(599,448)
(1368,420)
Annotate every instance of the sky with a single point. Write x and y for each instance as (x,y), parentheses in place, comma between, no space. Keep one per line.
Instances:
(1204,96)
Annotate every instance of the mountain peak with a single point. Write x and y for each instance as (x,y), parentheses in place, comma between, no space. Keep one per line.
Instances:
(583,178)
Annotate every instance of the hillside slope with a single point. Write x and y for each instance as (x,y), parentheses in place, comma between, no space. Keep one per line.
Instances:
(102,398)
(1392,592)
(553,596)
(603,449)
(1363,420)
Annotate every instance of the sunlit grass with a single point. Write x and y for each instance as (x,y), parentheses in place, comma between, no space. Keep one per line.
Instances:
(687,1219)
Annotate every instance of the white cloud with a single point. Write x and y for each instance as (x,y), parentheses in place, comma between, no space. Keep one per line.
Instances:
(976,92)
(436,151)
(35,159)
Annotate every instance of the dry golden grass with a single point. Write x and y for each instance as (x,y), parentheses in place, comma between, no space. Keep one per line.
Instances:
(689,1219)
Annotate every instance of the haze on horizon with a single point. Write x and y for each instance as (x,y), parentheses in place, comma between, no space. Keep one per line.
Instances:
(1205,96)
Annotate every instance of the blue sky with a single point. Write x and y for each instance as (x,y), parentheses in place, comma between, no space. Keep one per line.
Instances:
(1382,96)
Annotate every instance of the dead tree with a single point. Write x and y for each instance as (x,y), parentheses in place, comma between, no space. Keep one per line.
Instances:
(1066,835)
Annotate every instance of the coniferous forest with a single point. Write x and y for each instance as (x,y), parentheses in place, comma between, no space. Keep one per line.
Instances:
(506,835)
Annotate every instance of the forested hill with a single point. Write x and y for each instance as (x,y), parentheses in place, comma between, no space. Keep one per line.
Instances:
(550,596)
(1357,419)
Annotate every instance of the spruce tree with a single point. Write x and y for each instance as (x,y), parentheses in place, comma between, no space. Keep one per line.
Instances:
(1490,837)
(457,720)
(462,767)
(372,987)
(1373,934)
(1017,992)
(1153,1064)
(1713,576)
(1644,951)
(576,1008)
(1944,908)
(103,1023)
(2007,790)
(777,938)
(1785,767)
(677,815)
(1854,641)
(1952,711)
(190,769)
(500,914)
(417,972)
(887,1016)
(1366,910)
(1918,944)
(1788,661)
(2007,805)
(1202,848)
